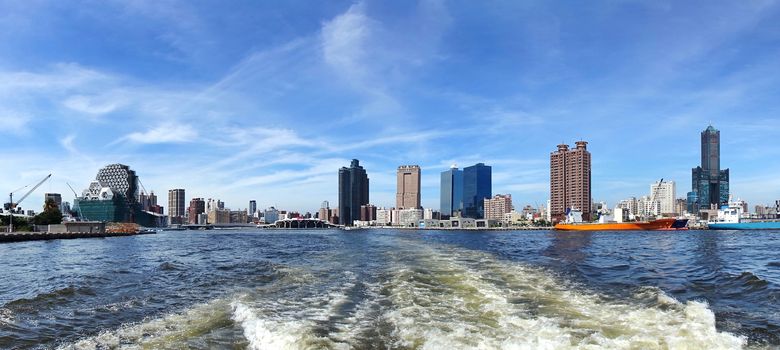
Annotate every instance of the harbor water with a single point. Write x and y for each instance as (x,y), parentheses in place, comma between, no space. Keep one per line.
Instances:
(394,289)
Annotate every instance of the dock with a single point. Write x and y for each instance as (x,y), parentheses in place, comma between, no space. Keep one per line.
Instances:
(6,237)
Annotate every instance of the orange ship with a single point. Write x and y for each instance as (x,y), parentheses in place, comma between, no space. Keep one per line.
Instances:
(660,224)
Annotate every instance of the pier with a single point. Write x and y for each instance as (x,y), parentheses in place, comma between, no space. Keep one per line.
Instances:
(6,237)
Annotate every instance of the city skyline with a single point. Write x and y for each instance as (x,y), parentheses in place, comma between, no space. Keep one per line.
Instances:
(499,85)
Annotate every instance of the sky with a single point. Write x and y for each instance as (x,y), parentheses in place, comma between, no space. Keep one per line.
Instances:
(266,100)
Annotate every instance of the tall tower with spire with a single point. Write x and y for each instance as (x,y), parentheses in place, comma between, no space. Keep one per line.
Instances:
(710,184)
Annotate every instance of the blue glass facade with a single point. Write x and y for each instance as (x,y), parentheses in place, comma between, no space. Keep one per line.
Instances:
(477,185)
(353,192)
(710,185)
(451,194)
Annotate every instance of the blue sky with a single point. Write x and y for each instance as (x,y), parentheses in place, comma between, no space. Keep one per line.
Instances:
(266,100)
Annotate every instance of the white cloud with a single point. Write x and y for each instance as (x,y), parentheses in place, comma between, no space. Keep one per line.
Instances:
(13,122)
(169,132)
(90,105)
(344,41)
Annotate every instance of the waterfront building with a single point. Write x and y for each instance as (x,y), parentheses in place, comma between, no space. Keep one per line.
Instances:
(451,192)
(176,206)
(56,197)
(219,216)
(202,219)
(325,213)
(570,181)
(383,216)
(777,208)
(353,192)
(665,193)
(238,217)
(252,211)
(367,212)
(477,185)
(271,215)
(409,217)
(113,197)
(408,187)
(497,207)
(710,185)
(197,207)
(430,214)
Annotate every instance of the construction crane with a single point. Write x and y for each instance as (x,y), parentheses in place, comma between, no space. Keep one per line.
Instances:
(11,206)
(655,193)
(75,205)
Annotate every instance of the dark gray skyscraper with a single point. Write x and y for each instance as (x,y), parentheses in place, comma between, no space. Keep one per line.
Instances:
(710,184)
(353,192)
(477,185)
(451,194)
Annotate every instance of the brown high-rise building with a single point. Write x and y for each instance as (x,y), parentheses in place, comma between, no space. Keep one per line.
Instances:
(498,206)
(176,206)
(367,212)
(570,186)
(197,206)
(408,194)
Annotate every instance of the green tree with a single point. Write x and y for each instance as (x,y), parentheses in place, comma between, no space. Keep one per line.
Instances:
(51,214)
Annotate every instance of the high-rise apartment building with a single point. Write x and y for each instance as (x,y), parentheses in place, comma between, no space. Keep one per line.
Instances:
(367,212)
(498,206)
(477,185)
(570,181)
(710,185)
(197,207)
(407,195)
(353,192)
(252,211)
(176,206)
(451,193)
(665,193)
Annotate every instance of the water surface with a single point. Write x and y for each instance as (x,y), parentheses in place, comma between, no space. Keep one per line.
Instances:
(388,289)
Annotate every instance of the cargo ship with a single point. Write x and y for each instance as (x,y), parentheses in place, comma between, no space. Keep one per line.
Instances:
(574,223)
(731,218)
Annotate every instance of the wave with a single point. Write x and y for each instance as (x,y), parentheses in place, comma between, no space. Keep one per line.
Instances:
(48,299)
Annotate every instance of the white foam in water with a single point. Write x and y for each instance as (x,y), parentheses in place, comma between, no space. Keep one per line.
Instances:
(266,334)
(463,300)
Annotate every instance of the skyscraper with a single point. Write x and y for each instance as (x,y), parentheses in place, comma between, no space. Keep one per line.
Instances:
(407,195)
(451,194)
(710,185)
(570,185)
(197,207)
(176,206)
(353,192)
(252,211)
(477,185)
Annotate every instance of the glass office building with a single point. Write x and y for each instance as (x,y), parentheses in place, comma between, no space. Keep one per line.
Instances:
(451,193)
(709,183)
(477,185)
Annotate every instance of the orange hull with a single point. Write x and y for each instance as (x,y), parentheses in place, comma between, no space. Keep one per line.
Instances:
(660,224)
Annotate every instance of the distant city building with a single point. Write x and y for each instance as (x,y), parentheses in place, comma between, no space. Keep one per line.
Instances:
(219,216)
(497,207)
(353,192)
(325,213)
(408,187)
(252,211)
(477,185)
(367,212)
(409,217)
(176,206)
(451,193)
(680,206)
(113,197)
(238,217)
(56,197)
(777,208)
(665,193)
(570,181)
(197,207)
(430,214)
(383,216)
(710,185)
(271,215)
